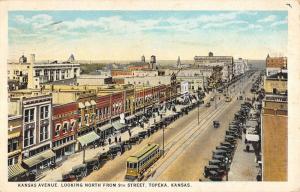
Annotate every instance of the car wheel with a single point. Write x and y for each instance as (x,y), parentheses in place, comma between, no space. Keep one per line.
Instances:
(96,167)
(119,153)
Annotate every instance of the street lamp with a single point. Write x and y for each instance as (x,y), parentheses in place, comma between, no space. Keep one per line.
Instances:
(83,160)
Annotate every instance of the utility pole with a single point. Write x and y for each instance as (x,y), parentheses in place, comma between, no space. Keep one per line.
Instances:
(163,141)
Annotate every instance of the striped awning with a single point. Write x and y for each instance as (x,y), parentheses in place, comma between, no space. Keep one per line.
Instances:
(88,138)
(93,102)
(15,170)
(81,105)
(87,104)
(13,135)
(36,159)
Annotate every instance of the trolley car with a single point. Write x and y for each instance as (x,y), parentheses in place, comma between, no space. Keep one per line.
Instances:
(137,164)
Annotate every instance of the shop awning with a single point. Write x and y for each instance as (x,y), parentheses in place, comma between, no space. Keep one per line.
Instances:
(81,105)
(118,125)
(15,170)
(88,138)
(87,104)
(93,102)
(139,113)
(105,127)
(31,161)
(13,135)
(130,117)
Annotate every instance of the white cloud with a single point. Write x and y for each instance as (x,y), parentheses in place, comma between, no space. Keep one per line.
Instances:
(282,22)
(223,24)
(269,18)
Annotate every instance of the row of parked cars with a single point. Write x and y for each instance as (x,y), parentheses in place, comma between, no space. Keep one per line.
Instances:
(222,156)
(79,171)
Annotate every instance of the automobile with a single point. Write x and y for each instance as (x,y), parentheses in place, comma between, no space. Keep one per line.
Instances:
(143,134)
(77,173)
(126,145)
(217,163)
(93,164)
(217,170)
(219,157)
(228,99)
(134,139)
(212,98)
(104,156)
(115,150)
(220,152)
(240,97)
(230,139)
(216,124)
(207,104)
(223,147)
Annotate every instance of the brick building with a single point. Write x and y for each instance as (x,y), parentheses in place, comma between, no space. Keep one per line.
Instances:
(64,121)
(275,65)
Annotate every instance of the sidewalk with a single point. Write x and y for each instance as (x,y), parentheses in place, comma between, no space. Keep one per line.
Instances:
(243,166)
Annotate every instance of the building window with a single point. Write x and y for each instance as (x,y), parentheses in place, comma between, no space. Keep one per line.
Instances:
(12,145)
(44,112)
(57,129)
(65,127)
(72,125)
(13,160)
(44,132)
(28,137)
(29,115)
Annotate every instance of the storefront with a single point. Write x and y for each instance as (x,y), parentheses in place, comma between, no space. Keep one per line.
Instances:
(40,161)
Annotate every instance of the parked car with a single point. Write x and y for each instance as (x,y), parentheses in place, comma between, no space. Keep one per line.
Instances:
(125,145)
(134,139)
(143,134)
(77,172)
(115,150)
(207,104)
(93,164)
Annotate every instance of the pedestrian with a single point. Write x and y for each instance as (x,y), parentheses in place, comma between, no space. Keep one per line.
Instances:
(116,139)
(120,140)
(109,141)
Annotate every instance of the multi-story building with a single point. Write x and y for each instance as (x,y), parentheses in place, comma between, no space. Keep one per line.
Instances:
(14,139)
(274,127)
(36,73)
(64,127)
(240,66)
(36,132)
(275,65)
(210,59)
(275,138)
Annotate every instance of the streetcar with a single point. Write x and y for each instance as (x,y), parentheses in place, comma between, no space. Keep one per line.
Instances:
(138,163)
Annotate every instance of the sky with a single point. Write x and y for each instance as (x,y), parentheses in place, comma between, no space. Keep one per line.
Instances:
(127,35)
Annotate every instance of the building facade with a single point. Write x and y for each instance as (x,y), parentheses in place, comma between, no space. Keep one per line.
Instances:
(64,127)
(207,60)
(14,144)
(37,134)
(275,65)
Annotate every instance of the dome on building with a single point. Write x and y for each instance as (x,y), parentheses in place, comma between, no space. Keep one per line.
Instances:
(23,59)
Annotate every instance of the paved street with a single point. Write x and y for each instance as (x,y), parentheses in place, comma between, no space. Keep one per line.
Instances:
(186,143)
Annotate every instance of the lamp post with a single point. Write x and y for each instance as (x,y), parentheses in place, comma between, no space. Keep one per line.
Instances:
(163,141)
(227,167)
(83,159)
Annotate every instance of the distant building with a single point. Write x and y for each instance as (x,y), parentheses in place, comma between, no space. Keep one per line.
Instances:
(207,60)
(178,62)
(275,65)
(143,59)
(240,66)
(36,73)
(153,62)
(276,84)
(94,80)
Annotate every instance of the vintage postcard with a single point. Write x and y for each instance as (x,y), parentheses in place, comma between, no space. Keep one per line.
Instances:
(139,96)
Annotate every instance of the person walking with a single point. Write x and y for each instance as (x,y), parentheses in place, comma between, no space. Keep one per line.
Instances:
(116,140)
(109,141)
